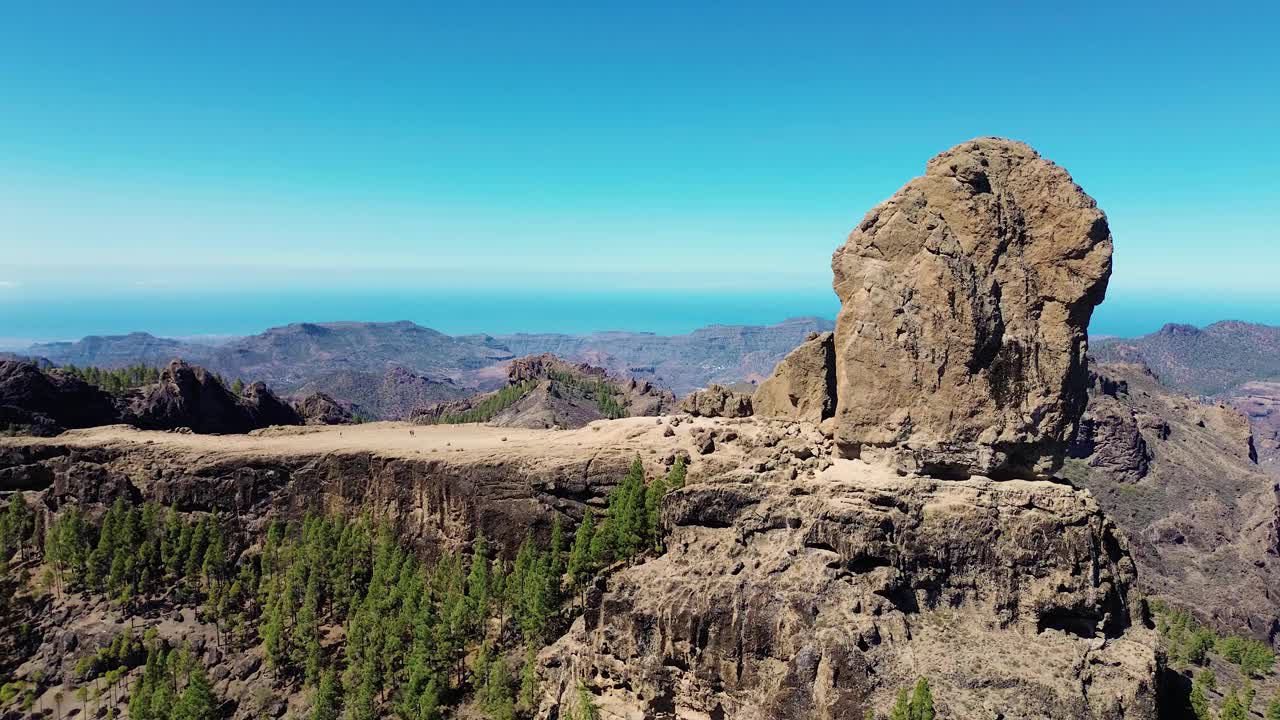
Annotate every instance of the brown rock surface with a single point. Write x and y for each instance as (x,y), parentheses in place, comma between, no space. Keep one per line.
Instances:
(716,401)
(965,299)
(557,394)
(819,597)
(803,385)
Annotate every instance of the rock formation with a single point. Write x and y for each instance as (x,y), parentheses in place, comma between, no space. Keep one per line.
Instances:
(320,409)
(544,391)
(818,596)
(716,401)
(38,402)
(190,396)
(803,386)
(965,299)
(265,408)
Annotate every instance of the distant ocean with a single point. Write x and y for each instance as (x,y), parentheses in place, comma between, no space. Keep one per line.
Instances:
(474,311)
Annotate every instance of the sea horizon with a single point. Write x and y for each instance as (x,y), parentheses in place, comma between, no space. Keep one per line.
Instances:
(210,316)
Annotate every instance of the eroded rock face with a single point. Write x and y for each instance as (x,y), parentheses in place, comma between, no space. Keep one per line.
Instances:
(266,408)
(1110,435)
(965,300)
(803,385)
(820,597)
(192,397)
(716,401)
(320,409)
(39,402)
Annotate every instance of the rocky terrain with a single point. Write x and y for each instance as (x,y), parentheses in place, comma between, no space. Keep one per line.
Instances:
(1207,361)
(820,594)
(543,391)
(184,397)
(1181,478)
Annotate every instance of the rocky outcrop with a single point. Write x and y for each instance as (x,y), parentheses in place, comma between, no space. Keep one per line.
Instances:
(965,300)
(803,385)
(38,402)
(544,391)
(320,409)
(190,396)
(716,401)
(1110,437)
(819,597)
(265,408)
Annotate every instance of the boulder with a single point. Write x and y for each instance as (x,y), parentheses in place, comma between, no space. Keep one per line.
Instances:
(802,386)
(965,300)
(716,401)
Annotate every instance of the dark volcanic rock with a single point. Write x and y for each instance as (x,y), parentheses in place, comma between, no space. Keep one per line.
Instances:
(43,403)
(266,409)
(965,300)
(1110,438)
(320,409)
(192,397)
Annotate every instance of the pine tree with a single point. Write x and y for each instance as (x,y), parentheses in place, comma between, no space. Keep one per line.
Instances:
(580,566)
(676,476)
(328,702)
(653,498)
(478,585)
(274,635)
(922,701)
(529,681)
(901,707)
(429,701)
(1233,708)
(197,701)
(557,549)
(496,692)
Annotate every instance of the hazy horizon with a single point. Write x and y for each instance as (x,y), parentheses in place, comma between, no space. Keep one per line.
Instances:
(456,312)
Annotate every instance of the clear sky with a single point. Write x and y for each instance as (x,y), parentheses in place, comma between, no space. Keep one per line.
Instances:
(164,152)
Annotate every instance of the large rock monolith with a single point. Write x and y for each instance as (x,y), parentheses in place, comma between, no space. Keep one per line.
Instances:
(965,301)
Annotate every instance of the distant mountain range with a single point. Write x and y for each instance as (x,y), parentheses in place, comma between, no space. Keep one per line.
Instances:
(389,368)
(1207,361)
(1233,362)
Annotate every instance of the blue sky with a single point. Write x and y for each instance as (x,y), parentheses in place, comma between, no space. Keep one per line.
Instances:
(149,150)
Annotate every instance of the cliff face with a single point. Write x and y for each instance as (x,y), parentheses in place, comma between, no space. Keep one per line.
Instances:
(820,597)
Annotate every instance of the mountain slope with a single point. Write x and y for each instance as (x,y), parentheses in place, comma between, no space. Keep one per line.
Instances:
(1205,361)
